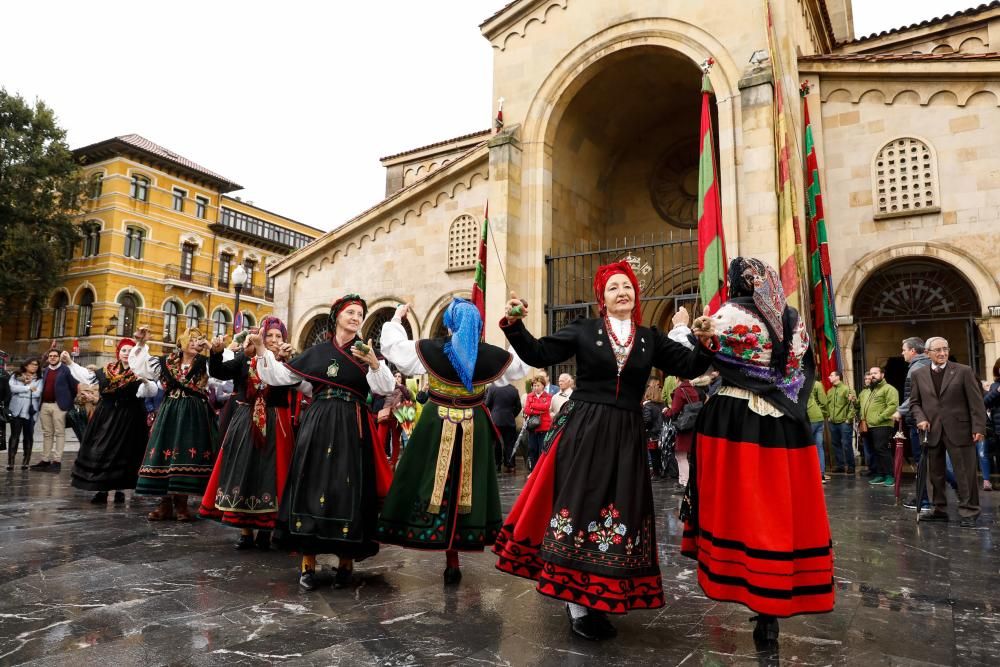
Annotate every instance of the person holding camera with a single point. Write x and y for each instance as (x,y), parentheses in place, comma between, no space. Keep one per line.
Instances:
(538,419)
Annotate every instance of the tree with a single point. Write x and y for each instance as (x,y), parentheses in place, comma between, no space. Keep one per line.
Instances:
(41,190)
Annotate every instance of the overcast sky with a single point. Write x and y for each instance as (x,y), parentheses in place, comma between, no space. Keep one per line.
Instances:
(294,100)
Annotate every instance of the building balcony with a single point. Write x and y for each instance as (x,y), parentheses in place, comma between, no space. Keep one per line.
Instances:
(176,275)
(241,227)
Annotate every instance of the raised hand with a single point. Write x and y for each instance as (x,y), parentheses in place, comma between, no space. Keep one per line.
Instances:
(141,335)
(256,340)
(517,308)
(681,318)
(218,344)
(367,356)
(286,351)
(402,310)
(703,327)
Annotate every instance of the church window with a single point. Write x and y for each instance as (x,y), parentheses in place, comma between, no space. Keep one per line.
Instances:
(463,243)
(905,179)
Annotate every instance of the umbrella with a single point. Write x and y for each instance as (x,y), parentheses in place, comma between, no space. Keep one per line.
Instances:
(922,472)
(897,464)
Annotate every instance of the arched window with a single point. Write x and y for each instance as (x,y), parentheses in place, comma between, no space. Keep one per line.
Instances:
(59,304)
(140,188)
(171,312)
(317,332)
(91,238)
(193,313)
(905,180)
(85,314)
(220,322)
(134,237)
(373,326)
(463,243)
(249,320)
(128,307)
(35,325)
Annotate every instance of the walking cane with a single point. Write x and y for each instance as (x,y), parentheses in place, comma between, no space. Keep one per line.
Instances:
(922,472)
(517,444)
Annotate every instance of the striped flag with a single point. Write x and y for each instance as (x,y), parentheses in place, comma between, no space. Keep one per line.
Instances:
(789,232)
(824,315)
(479,286)
(711,239)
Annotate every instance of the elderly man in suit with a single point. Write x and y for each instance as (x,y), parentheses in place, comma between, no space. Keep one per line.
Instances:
(946,402)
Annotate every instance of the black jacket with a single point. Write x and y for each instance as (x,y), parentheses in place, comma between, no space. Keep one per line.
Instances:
(992,401)
(652,419)
(504,404)
(597,378)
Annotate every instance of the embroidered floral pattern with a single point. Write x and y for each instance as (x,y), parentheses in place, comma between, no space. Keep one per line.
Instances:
(745,341)
(607,531)
(561,524)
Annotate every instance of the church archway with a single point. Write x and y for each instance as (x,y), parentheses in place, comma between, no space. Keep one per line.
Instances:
(916,296)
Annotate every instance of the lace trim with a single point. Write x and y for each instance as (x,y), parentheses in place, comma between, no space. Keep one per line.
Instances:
(758,404)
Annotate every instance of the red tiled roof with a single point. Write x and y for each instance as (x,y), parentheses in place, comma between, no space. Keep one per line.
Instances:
(150,148)
(899,57)
(939,19)
(471,135)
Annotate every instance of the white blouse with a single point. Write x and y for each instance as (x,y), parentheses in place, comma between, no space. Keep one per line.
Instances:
(277,374)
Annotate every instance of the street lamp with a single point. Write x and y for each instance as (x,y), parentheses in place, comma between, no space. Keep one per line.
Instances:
(239,279)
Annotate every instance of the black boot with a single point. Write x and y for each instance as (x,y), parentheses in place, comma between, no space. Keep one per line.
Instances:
(100,498)
(245,542)
(119,498)
(343,578)
(765,632)
(263,540)
(590,626)
(452,575)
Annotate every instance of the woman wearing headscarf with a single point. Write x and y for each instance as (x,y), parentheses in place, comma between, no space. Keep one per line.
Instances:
(583,526)
(444,495)
(115,439)
(755,513)
(249,477)
(184,439)
(338,472)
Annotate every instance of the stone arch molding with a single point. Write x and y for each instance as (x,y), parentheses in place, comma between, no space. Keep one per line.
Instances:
(303,325)
(979,277)
(440,305)
(393,302)
(903,93)
(520,29)
(575,69)
(385,226)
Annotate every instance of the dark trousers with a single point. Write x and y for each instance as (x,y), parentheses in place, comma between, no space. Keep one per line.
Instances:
(963,461)
(842,446)
(504,450)
(880,438)
(19,426)
(535,441)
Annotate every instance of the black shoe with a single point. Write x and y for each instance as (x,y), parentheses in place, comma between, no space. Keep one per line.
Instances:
(585,627)
(601,621)
(343,578)
(765,632)
(452,575)
(910,503)
(307,580)
(838,470)
(968,522)
(933,516)
(119,498)
(10,467)
(263,540)
(245,542)
(41,465)
(55,467)
(100,498)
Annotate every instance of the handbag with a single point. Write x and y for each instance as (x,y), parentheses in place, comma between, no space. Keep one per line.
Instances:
(533,422)
(689,415)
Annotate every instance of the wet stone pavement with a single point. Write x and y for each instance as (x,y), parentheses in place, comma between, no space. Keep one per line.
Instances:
(84,585)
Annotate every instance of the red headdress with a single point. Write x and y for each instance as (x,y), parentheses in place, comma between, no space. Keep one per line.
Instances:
(122,343)
(601,278)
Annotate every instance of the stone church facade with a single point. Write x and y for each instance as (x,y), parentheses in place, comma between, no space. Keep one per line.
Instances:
(597,161)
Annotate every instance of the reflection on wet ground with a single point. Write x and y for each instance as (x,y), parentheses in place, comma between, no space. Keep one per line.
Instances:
(84,586)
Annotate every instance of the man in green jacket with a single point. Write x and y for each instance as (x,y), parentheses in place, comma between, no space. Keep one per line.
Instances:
(840,409)
(816,409)
(877,409)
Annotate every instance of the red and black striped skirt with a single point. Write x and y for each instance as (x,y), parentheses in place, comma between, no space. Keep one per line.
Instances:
(759,528)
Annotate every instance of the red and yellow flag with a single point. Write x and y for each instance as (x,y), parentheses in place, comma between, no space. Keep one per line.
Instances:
(711,239)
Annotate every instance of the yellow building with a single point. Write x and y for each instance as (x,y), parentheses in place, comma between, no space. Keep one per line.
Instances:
(161,239)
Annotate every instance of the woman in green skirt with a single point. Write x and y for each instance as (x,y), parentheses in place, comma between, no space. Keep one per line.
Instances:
(184,440)
(444,494)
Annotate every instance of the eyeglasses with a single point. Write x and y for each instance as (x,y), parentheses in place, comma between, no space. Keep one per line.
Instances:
(940,349)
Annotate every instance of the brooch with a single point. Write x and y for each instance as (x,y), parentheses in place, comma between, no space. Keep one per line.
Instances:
(333,369)
(600,343)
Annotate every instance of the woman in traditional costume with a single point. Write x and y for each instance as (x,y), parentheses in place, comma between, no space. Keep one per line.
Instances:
(583,526)
(116,436)
(444,495)
(184,438)
(246,485)
(339,471)
(756,517)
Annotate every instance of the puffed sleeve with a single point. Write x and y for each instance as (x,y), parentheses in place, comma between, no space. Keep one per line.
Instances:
(381,381)
(516,370)
(142,364)
(276,374)
(82,374)
(147,389)
(400,350)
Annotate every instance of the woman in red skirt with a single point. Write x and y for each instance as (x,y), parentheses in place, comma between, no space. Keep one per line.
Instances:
(755,513)
(583,526)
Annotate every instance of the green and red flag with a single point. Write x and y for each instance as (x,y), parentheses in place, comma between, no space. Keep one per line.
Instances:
(824,317)
(711,239)
(479,286)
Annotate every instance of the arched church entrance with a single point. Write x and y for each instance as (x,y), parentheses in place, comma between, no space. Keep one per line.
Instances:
(625,184)
(915,297)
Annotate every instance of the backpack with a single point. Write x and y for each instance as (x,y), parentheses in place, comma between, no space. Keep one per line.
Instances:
(689,413)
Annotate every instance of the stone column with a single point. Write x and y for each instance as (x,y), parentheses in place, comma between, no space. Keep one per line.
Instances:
(759,233)
(505,214)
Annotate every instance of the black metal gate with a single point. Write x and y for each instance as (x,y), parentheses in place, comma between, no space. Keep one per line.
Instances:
(666,266)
